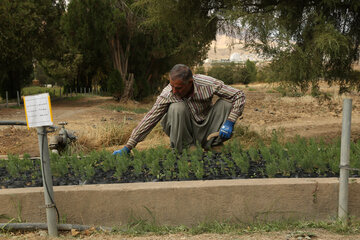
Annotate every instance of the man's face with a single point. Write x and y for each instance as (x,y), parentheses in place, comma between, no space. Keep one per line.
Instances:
(181,89)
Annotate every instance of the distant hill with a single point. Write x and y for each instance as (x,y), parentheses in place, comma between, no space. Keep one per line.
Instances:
(226,47)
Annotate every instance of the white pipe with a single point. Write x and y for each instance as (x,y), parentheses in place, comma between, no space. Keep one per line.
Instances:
(345,161)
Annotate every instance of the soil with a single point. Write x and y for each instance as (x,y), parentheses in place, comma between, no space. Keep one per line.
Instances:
(265,110)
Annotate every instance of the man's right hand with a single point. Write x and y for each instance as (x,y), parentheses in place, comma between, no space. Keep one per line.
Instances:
(124,150)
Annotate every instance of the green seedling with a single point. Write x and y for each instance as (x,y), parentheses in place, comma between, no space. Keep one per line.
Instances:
(122,163)
(183,165)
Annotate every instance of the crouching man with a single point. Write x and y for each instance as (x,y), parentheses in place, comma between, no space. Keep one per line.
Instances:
(187,114)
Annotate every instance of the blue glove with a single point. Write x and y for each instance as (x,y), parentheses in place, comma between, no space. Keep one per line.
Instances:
(226,129)
(124,150)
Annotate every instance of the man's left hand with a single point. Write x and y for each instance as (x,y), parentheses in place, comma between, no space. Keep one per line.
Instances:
(226,129)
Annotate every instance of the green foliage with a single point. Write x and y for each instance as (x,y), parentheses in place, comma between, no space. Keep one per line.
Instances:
(115,83)
(16,166)
(87,28)
(138,37)
(40,74)
(59,165)
(137,163)
(197,164)
(146,227)
(232,73)
(29,30)
(251,71)
(300,157)
(107,160)
(239,156)
(121,163)
(200,70)
(287,90)
(223,72)
(265,74)
(309,41)
(53,92)
(183,165)
(169,165)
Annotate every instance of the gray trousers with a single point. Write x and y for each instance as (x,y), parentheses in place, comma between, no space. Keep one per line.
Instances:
(184,131)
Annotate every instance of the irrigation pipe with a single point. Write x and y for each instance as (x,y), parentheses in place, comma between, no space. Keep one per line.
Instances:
(43,226)
(13,123)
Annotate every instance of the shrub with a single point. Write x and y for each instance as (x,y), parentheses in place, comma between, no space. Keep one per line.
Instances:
(223,72)
(200,70)
(251,71)
(232,72)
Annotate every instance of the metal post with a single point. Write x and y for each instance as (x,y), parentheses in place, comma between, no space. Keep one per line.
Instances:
(345,161)
(18,98)
(7,99)
(60,91)
(47,182)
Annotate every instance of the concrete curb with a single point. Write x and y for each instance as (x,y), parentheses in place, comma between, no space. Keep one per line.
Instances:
(188,202)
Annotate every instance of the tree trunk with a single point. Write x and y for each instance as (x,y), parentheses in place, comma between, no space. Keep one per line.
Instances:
(129,88)
(120,63)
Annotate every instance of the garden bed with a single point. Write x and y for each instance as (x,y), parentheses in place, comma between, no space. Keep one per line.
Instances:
(298,159)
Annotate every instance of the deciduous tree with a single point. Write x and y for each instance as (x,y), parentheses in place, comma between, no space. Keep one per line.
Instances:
(142,38)
(309,40)
(28,31)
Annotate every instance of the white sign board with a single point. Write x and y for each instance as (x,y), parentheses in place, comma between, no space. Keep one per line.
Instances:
(38,110)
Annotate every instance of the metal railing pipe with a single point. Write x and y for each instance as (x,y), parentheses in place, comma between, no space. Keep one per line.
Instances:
(13,123)
(345,161)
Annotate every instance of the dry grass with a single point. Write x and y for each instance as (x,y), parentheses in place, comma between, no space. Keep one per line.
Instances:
(112,136)
(103,136)
(303,99)
(156,138)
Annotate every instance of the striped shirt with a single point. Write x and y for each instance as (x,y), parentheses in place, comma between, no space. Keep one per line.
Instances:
(199,104)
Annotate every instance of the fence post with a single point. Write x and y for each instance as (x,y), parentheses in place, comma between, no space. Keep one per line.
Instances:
(7,99)
(47,182)
(345,161)
(18,98)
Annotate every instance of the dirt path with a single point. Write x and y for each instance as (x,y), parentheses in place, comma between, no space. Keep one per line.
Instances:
(264,112)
